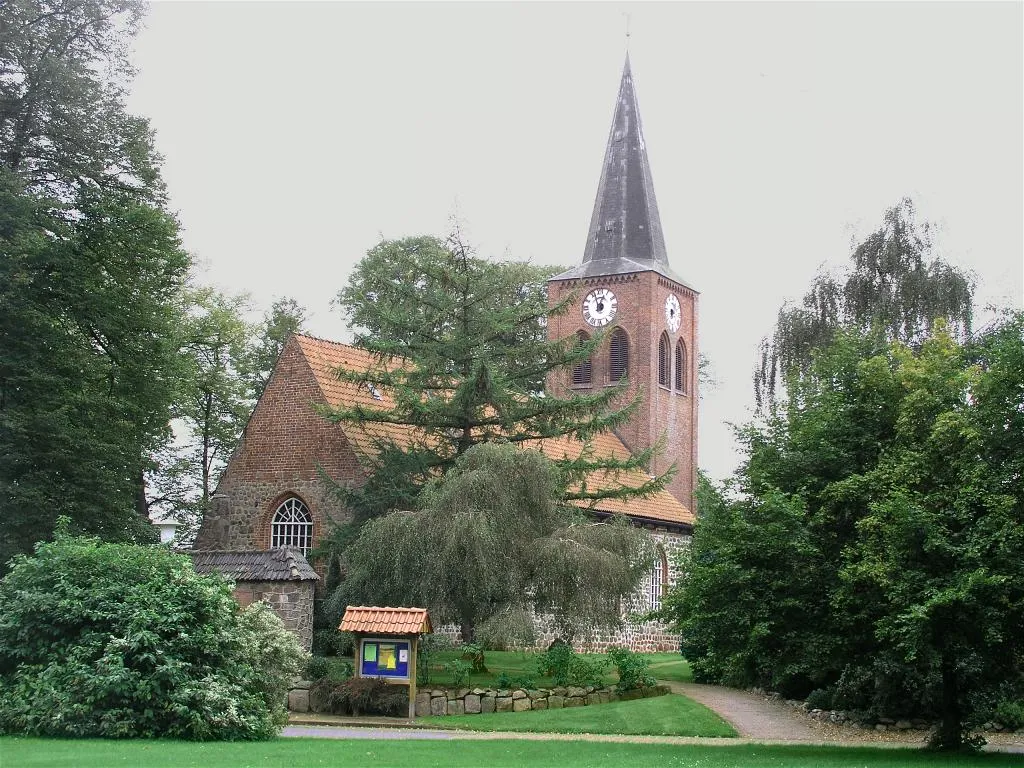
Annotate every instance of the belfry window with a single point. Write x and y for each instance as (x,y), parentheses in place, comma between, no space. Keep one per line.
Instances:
(663,360)
(582,373)
(618,358)
(292,526)
(680,371)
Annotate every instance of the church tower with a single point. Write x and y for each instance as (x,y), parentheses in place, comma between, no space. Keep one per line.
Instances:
(625,288)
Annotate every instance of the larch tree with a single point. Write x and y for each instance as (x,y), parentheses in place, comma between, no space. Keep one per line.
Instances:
(460,343)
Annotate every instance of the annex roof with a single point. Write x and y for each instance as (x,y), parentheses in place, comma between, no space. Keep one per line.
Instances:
(386,621)
(278,564)
(325,357)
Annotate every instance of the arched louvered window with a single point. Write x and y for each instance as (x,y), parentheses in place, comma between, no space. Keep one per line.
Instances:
(292,526)
(680,371)
(618,358)
(663,360)
(583,372)
(657,581)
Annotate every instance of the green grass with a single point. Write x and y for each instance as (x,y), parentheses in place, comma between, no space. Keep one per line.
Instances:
(664,666)
(658,716)
(308,753)
(669,666)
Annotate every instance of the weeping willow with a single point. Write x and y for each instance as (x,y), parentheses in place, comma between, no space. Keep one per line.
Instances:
(894,287)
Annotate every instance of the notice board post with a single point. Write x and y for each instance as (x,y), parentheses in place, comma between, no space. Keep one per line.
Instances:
(386,643)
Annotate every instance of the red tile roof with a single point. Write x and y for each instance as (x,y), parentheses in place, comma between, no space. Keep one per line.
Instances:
(325,357)
(385,621)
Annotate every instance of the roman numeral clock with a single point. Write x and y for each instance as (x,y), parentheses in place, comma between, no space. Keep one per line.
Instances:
(599,307)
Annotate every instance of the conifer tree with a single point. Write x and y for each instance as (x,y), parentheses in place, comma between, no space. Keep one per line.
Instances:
(460,343)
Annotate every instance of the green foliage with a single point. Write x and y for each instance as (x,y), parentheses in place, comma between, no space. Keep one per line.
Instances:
(893,287)
(821,698)
(285,318)
(317,667)
(427,649)
(505,680)
(490,542)
(459,672)
(474,654)
(632,668)
(461,346)
(1009,714)
(362,696)
(566,667)
(91,270)
(876,550)
(126,641)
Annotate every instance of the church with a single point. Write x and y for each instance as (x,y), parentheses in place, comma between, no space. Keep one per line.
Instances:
(272,506)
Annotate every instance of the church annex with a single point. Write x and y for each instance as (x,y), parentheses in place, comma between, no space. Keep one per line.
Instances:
(271,494)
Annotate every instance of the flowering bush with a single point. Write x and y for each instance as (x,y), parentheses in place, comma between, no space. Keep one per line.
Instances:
(120,641)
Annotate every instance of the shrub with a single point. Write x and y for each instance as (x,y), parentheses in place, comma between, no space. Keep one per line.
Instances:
(566,667)
(1010,714)
(459,671)
(119,641)
(632,669)
(504,680)
(362,696)
(429,645)
(820,698)
(317,667)
(474,654)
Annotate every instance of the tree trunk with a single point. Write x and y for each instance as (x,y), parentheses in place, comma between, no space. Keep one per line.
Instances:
(950,729)
(468,631)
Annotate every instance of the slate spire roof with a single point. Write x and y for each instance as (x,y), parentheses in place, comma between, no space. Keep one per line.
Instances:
(625,228)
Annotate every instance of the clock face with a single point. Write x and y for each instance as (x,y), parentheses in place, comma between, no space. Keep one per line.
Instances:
(672,315)
(599,307)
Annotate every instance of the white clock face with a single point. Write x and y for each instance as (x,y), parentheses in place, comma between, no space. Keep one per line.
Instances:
(672,315)
(599,307)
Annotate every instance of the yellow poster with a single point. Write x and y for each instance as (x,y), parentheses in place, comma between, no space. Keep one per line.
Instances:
(369,651)
(388,659)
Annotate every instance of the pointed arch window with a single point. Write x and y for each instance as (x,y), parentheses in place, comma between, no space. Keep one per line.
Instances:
(292,526)
(582,374)
(680,366)
(618,358)
(663,360)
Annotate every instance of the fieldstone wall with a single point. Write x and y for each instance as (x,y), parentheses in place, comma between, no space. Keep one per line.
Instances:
(292,601)
(465,701)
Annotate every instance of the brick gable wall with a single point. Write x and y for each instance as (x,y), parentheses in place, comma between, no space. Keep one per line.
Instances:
(282,446)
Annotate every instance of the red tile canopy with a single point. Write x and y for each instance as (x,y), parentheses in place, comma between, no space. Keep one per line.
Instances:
(386,621)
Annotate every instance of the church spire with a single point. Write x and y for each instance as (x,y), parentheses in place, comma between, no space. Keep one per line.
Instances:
(625,228)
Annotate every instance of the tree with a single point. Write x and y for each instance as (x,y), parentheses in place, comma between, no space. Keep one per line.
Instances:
(285,318)
(490,542)
(893,286)
(121,641)
(63,125)
(91,270)
(461,346)
(880,523)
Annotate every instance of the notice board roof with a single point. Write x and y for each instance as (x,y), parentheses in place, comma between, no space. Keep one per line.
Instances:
(385,621)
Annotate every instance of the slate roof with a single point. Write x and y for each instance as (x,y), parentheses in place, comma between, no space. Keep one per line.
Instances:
(387,621)
(625,228)
(325,357)
(278,564)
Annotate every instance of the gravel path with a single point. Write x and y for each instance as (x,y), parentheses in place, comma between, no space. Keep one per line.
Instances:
(753,717)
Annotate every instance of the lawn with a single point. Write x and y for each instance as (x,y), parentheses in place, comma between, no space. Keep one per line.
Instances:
(91,753)
(659,716)
(523,664)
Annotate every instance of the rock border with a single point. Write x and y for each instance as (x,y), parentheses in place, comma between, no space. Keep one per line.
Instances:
(439,702)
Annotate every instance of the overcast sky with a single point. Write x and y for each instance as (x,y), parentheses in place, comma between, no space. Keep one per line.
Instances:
(297,135)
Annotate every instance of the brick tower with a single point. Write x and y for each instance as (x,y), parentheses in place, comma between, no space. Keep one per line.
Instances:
(625,289)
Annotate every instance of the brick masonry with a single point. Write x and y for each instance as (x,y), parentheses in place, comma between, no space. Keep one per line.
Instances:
(665,414)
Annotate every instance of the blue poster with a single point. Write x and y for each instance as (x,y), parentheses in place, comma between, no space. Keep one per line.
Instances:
(385,658)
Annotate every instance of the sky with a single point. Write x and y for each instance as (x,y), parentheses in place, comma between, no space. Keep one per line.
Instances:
(296,136)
